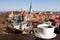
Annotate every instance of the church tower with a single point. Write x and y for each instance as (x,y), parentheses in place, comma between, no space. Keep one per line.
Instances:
(30,9)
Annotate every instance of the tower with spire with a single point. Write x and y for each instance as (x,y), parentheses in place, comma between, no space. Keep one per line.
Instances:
(30,9)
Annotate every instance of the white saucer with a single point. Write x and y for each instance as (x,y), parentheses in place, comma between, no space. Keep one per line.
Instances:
(44,37)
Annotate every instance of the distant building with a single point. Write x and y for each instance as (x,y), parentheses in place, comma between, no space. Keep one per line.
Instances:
(30,9)
(56,22)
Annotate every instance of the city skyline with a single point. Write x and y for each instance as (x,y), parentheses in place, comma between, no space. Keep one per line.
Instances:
(38,5)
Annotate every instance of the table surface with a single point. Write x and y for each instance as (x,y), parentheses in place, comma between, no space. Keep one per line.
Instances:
(13,37)
(24,37)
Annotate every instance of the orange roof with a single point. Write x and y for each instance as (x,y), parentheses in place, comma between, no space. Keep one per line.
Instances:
(25,13)
(56,20)
(34,19)
(40,17)
(53,17)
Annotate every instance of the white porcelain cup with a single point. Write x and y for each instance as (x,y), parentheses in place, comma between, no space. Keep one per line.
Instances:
(48,32)
(44,30)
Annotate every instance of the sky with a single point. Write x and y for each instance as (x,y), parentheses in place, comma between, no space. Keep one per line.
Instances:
(38,5)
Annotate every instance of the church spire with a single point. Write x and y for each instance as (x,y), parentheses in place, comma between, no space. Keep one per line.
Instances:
(30,8)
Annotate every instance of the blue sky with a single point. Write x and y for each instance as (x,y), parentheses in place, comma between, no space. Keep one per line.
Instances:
(39,5)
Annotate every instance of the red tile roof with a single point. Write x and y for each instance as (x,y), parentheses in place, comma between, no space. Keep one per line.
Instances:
(56,20)
(25,13)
